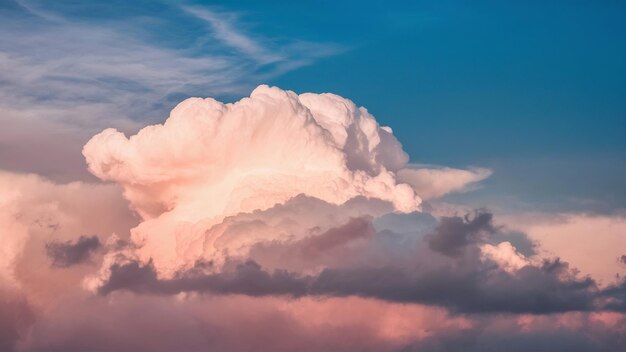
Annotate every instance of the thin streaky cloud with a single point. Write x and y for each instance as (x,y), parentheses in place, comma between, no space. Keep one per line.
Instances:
(36,11)
(224,29)
(80,76)
(57,62)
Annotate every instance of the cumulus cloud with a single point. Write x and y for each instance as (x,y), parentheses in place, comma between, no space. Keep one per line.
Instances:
(505,255)
(279,212)
(274,194)
(211,160)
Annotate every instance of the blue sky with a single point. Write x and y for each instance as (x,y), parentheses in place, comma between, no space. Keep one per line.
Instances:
(535,90)
(488,81)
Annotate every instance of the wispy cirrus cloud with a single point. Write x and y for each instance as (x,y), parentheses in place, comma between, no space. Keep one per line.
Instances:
(50,61)
(223,26)
(64,66)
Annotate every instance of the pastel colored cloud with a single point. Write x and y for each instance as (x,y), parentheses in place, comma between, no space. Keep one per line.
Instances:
(432,183)
(281,222)
(593,243)
(211,160)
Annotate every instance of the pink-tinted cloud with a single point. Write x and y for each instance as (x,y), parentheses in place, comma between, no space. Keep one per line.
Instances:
(237,323)
(593,243)
(210,160)
(234,323)
(432,183)
(35,212)
(281,222)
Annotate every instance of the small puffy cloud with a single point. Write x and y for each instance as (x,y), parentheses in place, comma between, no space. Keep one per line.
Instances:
(432,183)
(505,255)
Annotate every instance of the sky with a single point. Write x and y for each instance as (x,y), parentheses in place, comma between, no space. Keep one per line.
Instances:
(450,175)
(484,84)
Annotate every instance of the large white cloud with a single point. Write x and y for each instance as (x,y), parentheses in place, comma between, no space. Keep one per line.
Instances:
(211,160)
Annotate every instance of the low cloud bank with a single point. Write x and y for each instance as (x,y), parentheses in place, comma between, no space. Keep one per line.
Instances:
(464,280)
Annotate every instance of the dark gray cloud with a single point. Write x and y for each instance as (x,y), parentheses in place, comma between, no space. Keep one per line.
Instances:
(501,335)
(356,228)
(622,259)
(245,278)
(537,290)
(453,234)
(65,254)
(615,296)
(444,269)
(340,245)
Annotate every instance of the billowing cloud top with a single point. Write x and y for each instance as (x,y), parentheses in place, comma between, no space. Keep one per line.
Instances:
(211,160)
